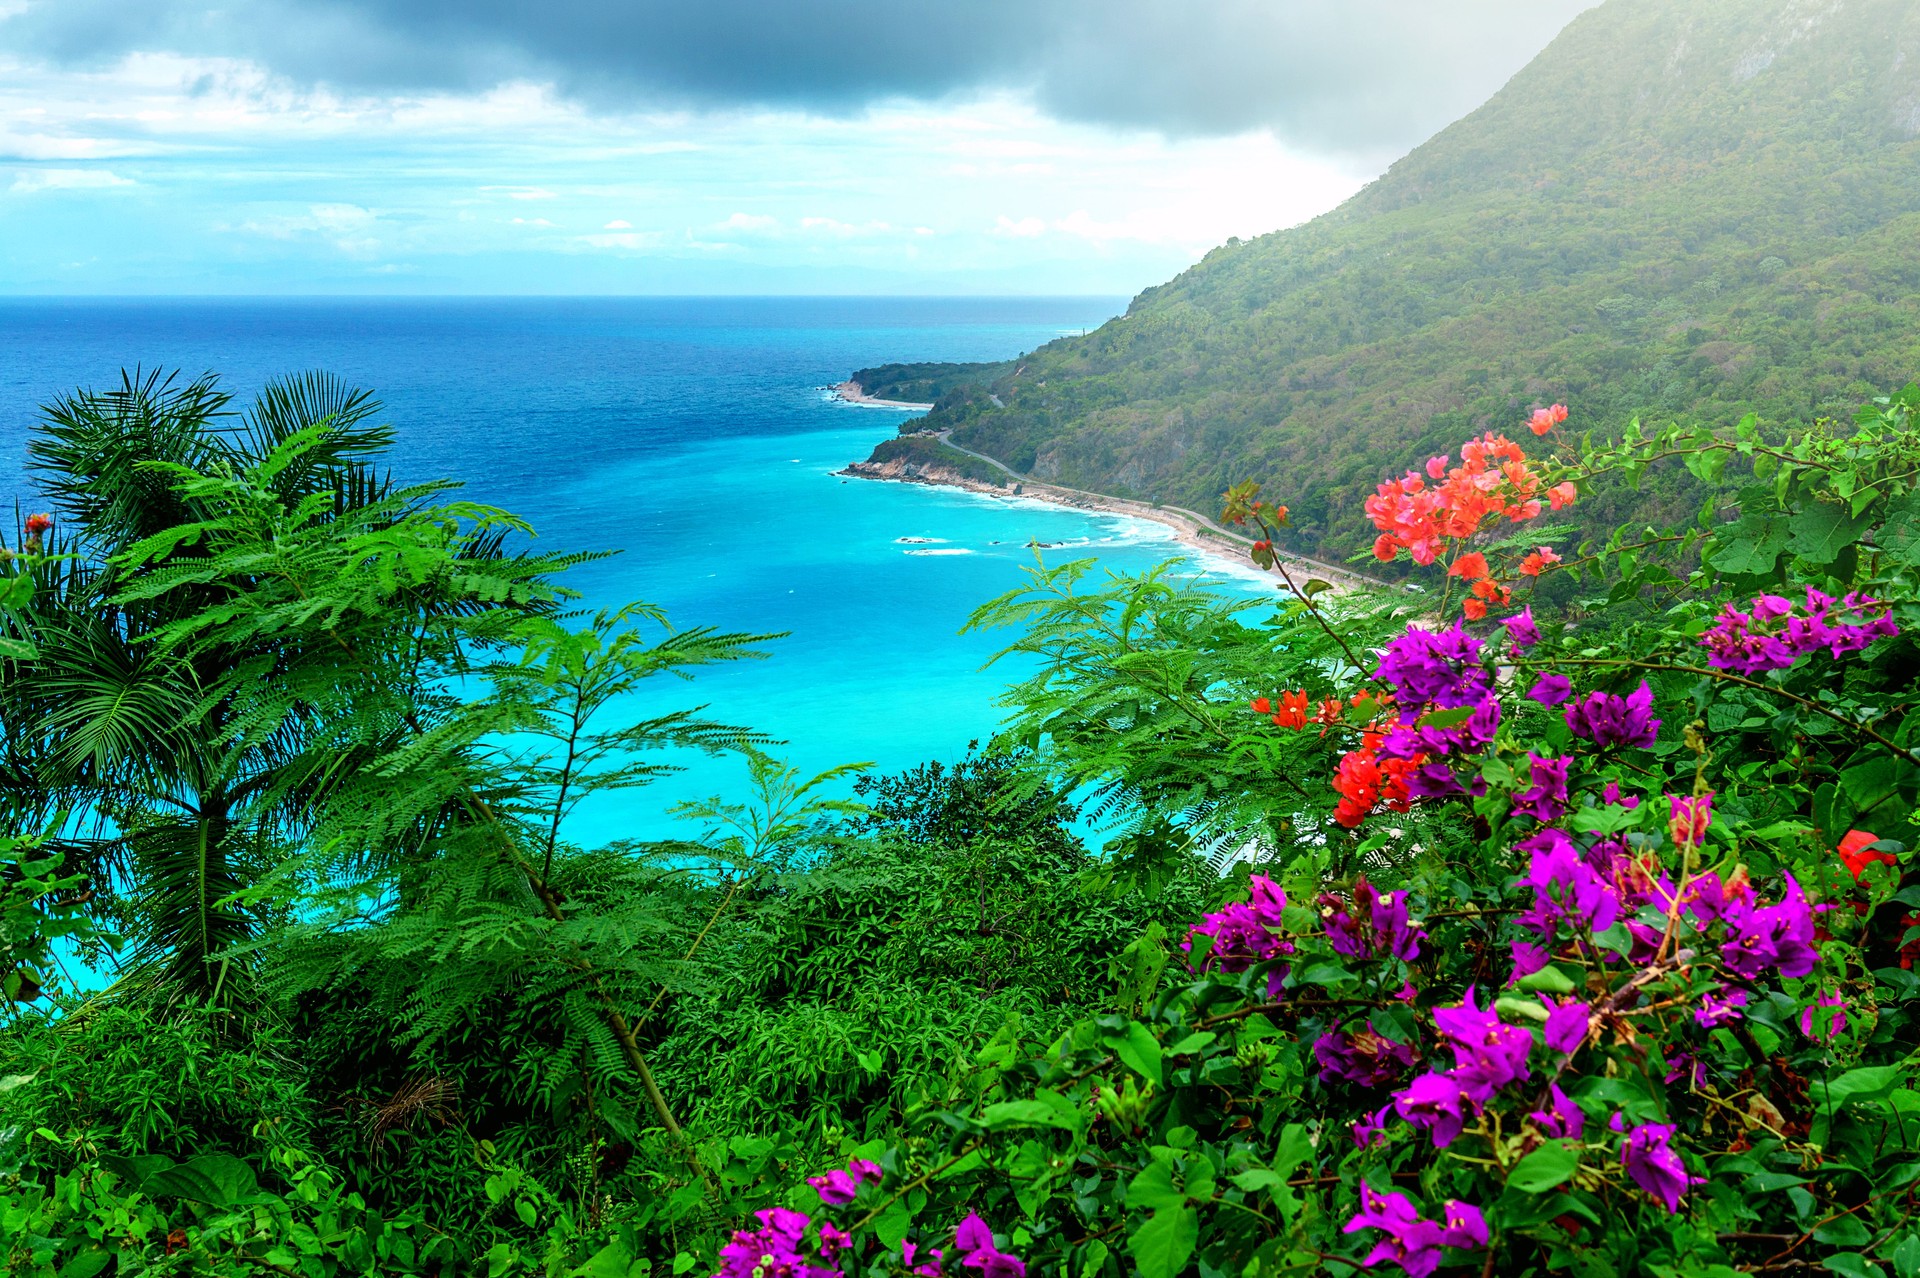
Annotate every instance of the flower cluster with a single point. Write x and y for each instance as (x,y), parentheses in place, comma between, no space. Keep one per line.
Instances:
(1374,924)
(1773,632)
(1422,513)
(1411,1242)
(838,1188)
(779,1248)
(1244,933)
(1615,722)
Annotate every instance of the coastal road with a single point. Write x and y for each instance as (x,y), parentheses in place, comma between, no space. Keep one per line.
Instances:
(1345,576)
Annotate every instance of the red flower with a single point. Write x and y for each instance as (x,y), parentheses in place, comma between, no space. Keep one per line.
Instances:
(1855,853)
(1293,710)
(1262,706)
(37,524)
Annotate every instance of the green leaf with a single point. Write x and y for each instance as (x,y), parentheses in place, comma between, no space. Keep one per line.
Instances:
(1096,1258)
(1821,531)
(1161,1247)
(1328,974)
(1851,1264)
(893,1223)
(1554,1163)
(1152,1187)
(1906,1257)
(1548,980)
(1255,1179)
(611,1261)
(1185,1047)
(1447,718)
(1046,1109)
(90,1262)
(1856,1083)
(1139,1050)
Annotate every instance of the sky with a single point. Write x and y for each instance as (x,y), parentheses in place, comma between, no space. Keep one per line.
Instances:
(705,146)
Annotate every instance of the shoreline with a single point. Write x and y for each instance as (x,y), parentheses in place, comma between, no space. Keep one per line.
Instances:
(853,393)
(1228,551)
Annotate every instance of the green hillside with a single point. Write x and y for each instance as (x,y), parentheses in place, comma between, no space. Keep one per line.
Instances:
(1675,210)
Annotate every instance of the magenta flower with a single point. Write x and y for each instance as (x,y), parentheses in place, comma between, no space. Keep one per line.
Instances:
(926,1269)
(774,1248)
(1364,1058)
(1771,936)
(1243,933)
(1439,669)
(975,1239)
(833,1240)
(1838,1022)
(1437,1103)
(1488,1054)
(1528,958)
(1372,1130)
(1411,1242)
(1770,636)
(1612,796)
(1567,1025)
(1551,689)
(1719,1009)
(1374,924)
(1521,630)
(1562,1117)
(1565,888)
(1609,721)
(1688,817)
(1652,1162)
(838,1188)
(1546,799)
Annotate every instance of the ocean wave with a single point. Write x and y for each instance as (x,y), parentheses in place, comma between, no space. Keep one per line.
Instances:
(950,550)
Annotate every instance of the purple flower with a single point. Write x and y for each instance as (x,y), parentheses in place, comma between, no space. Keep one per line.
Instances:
(929,1269)
(1839,1020)
(1607,720)
(833,1240)
(975,1239)
(838,1188)
(1364,1058)
(772,1248)
(1375,924)
(1652,1162)
(1411,1242)
(1567,1025)
(1565,887)
(1718,1009)
(1771,936)
(1463,1225)
(1528,958)
(1688,817)
(1243,932)
(1521,630)
(1756,641)
(1432,781)
(1551,689)
(1562,1117)
(1686,1065)
(1372,1130)
(1546,799)
(1436,1102)
(1612,796)
(1487,1053)
(1439,669)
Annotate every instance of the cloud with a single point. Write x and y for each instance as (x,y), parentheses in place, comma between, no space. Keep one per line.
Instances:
(750,222)
(347,227)
(618,224)
(1331,75)
(30,181)
(1024,228)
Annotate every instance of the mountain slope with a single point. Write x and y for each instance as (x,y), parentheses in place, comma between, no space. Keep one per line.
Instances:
(1677,209)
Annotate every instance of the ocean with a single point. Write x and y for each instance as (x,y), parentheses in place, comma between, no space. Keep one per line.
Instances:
(696,437)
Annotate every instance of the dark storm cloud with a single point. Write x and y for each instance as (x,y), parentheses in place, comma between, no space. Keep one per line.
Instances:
(1331,74)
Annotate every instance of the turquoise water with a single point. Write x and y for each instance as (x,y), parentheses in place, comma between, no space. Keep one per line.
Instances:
(695,437)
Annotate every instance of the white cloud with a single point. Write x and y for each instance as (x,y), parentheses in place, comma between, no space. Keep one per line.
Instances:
(531,221)
(622,240)
(28,181)
(347,227)
(845,230)
(1025,228)
(750,222)
(618,224)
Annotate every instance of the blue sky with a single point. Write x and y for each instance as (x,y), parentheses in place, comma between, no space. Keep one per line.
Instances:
(736,146)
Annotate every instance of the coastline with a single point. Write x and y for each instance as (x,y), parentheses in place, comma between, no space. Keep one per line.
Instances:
(853,393)
(1227,550)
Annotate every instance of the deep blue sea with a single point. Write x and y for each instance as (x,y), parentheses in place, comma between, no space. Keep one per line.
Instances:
(696,437)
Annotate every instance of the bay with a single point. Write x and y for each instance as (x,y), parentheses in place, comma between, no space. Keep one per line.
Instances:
(696,437)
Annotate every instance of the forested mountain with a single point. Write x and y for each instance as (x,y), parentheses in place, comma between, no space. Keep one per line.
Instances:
(1676,210)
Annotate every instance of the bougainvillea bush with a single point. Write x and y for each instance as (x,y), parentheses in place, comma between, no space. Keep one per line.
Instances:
(1585,948)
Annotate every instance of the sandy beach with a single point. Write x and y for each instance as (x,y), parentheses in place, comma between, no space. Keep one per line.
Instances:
(1196,532)
(854,393)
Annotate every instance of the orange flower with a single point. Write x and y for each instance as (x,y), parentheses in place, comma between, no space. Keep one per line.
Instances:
(1262,706)
(1472,566)
(1534,564)
(1474,609)
(1563,495)
(1545,419)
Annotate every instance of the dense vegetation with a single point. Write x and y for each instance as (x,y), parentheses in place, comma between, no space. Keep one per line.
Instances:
(1678,210)
(918,454)
(1559,920)
(924,383)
